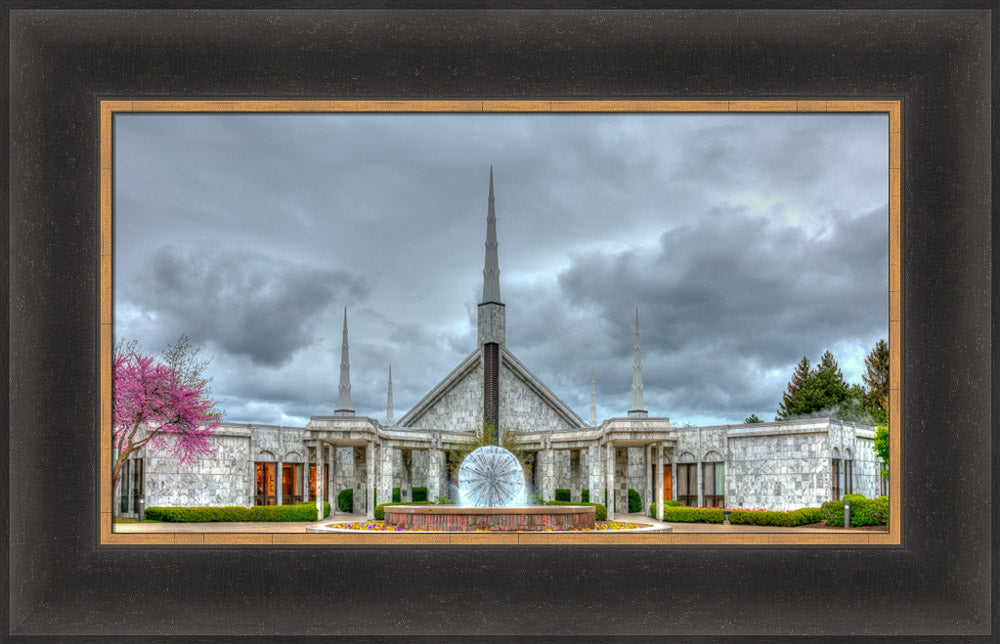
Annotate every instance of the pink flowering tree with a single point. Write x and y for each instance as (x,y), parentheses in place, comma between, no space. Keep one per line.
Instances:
(152,405)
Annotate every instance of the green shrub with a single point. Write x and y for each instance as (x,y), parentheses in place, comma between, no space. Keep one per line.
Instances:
(419,494)
(864,511)
(380,509)
(345,500)
(562,494)
(634,501)
(535,499)
(396,496)
(585,496)
(684,514)
(204,514)
(443,500)
(666,504)
(600,512)
(789,519)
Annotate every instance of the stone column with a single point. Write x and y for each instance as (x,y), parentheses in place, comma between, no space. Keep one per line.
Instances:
(699,484)
(647,499)
(319,480)
(549,477)
(673,476)
(370,479)
(385,475)
(610,465)
(433,472)
(701,487)
(253,480)
(304,483)
(279,476)
(593,472)
(659,481)
(331,456)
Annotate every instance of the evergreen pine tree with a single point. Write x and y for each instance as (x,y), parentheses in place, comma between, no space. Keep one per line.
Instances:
(787,408)
(876,379)
(825,388)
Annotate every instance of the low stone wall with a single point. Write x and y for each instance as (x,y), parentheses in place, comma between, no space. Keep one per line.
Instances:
(451,518)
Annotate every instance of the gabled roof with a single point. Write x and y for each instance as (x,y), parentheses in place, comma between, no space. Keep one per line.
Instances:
(472,362)
(540,389)
(457,375)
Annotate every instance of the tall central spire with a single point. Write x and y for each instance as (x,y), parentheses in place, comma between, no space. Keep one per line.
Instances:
(492,319)
(491,271)
(637,410)
(344,393)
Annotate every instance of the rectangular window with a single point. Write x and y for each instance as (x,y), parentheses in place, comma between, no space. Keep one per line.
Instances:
(713,479)
(136,484)
(266,486)
(123,487)
(835,466)
(327,493)
(687,483)
(291,483)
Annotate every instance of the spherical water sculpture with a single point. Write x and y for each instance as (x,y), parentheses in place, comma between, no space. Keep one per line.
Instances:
(490,477)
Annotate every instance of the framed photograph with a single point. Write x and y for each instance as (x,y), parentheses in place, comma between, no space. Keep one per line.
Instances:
(183,172)
(206,133)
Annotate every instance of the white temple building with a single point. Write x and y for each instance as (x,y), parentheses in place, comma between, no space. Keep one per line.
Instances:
(780,465)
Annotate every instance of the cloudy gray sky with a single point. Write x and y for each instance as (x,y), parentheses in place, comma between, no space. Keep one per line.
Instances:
(747,241)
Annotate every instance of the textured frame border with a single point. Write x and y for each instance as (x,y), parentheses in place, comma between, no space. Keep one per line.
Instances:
(109,108)
(61,585)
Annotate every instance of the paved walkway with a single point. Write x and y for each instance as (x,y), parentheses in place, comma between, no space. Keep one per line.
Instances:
(715,528)
(299,527)
(295,527)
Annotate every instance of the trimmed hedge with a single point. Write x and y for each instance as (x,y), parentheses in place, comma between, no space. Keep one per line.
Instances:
(666,504)
(380,509)
(789,519)
(585,496)
(396,497)
(562,494)
(864,511)
(419,494)
(600,512)
(684,514)
(345,500)
(236,513)
(634,501)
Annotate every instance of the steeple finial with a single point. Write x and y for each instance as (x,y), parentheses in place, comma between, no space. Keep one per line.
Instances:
(344,393)
(637,410)
(593,400)
(491,271)
(388,401)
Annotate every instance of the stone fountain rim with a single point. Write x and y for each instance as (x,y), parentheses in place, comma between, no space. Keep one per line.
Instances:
(468,509)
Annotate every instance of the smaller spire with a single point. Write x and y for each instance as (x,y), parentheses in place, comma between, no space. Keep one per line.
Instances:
(388,401)
(637,410)
(593,400)
(344,393)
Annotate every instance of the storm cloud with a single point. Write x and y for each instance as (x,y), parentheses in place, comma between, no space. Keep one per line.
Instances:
(746,242)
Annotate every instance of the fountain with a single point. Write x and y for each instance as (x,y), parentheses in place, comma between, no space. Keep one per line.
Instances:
(491,487)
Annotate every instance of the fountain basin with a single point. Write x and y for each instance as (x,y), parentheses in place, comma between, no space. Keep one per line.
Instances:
(454,518)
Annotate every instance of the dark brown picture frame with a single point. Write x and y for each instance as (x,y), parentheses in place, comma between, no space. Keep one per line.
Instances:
(63,582)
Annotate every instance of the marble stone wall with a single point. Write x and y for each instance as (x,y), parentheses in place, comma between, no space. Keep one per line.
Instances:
(219,479)
(460,408)
(523,409)
(778,471)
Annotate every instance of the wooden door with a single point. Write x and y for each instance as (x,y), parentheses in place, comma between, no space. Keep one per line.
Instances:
(667,489)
